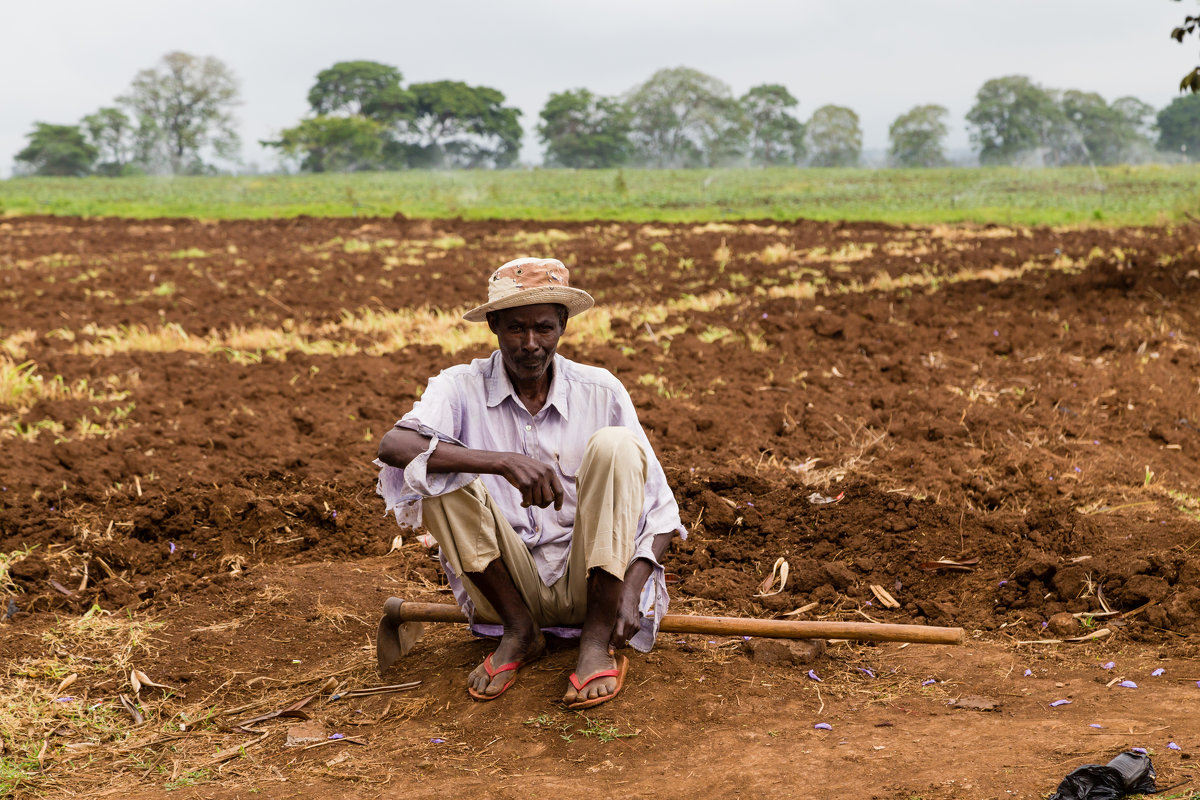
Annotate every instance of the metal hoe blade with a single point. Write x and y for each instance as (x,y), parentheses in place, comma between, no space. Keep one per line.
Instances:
(395,637)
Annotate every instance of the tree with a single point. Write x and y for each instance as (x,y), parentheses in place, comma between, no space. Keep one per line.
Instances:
(918,137)
(1100,133)
(1012,115)
(363,88)
(774,135)
(358,109)
(833,137)
(1179,126)
(1191,80)
(183,110)
(111,132)
(683,118)
(1138,115)
(57,150)
(333,144)
(455,125)
(584,130)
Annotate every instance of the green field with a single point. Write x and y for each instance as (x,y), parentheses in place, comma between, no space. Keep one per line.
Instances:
(1143,195)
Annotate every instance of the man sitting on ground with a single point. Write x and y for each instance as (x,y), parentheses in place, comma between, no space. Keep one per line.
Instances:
(535,477)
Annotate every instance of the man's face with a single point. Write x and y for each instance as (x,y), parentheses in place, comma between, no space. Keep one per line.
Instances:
(528,338)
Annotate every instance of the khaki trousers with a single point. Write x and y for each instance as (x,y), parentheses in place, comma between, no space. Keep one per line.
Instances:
(473,532)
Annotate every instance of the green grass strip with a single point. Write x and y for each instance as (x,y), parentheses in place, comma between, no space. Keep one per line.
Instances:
(1123,195)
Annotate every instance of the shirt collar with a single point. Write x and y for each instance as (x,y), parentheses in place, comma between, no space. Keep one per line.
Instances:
(499,386)
(558,387)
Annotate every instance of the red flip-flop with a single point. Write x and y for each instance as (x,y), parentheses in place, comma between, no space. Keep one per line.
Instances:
(493,672)
(618,673)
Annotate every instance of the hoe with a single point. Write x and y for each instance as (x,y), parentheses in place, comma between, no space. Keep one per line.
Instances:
(403,623)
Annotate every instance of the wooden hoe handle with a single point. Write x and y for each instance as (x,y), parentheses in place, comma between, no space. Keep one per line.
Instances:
(400,611)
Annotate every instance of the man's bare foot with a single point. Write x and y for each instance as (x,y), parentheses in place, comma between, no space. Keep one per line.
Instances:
(522,646)
(592,659)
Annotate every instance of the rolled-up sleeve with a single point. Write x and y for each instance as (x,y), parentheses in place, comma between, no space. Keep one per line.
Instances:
(660,514)
(436,416)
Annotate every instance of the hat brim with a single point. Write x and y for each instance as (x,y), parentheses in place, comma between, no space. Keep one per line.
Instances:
(576,301)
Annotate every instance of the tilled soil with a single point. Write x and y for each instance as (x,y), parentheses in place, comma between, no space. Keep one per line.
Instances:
(859,399)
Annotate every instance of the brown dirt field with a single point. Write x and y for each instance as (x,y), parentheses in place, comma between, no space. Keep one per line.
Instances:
(200,471)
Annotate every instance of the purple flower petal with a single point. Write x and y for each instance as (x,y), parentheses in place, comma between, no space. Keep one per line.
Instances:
(1173,746)
(337,736)
(1157,672)
(931,680)
(1044,624)
(1141,750)
(171,546)
(64,699)
(1058,703)
(1094,725)
(814,676)
(1198,684)
(1001,583)
(1109,665)
(1128,684)
(437,741)
(1028,673)
(866,671)
(823,726)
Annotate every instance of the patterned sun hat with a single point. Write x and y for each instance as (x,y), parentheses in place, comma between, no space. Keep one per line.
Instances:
(527,282)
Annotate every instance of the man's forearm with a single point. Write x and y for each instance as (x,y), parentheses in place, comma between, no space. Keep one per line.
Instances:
(537,482)
(400,446)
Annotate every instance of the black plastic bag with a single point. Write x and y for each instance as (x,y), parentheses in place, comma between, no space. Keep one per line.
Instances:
(1128,773)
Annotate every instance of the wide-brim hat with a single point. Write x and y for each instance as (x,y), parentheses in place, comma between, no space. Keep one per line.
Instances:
(530,281)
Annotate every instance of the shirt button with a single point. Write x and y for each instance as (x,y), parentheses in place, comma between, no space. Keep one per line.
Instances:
(528,427)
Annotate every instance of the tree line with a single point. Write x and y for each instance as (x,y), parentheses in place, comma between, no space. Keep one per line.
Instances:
(177,118)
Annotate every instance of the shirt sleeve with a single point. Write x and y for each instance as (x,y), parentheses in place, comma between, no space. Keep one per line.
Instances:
(660,514)
(438,417)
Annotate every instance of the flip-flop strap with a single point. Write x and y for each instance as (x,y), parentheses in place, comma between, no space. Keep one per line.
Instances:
(607,673)
(493,672)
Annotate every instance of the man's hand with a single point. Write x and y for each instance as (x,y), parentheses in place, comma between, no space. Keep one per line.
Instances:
(629,617)
(537,482)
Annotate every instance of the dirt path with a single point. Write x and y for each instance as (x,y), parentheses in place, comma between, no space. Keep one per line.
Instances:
(190,450)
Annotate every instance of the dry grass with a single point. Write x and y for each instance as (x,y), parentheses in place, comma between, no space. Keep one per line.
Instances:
(20,385)
(855,454)
(538,240)
(776,253)
(15,345)
(387,331)
(66,733)
(27,386)
(48,717)
(395,330)
(7,587)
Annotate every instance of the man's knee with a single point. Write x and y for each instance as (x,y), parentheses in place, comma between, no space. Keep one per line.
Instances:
(615,444)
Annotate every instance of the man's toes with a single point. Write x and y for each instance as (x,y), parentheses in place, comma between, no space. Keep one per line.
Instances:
(478,680)
(597,689)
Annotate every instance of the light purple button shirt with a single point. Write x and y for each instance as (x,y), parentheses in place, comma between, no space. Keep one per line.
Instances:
(476,406)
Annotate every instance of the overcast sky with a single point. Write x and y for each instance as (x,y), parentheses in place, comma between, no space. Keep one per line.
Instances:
(62,60)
